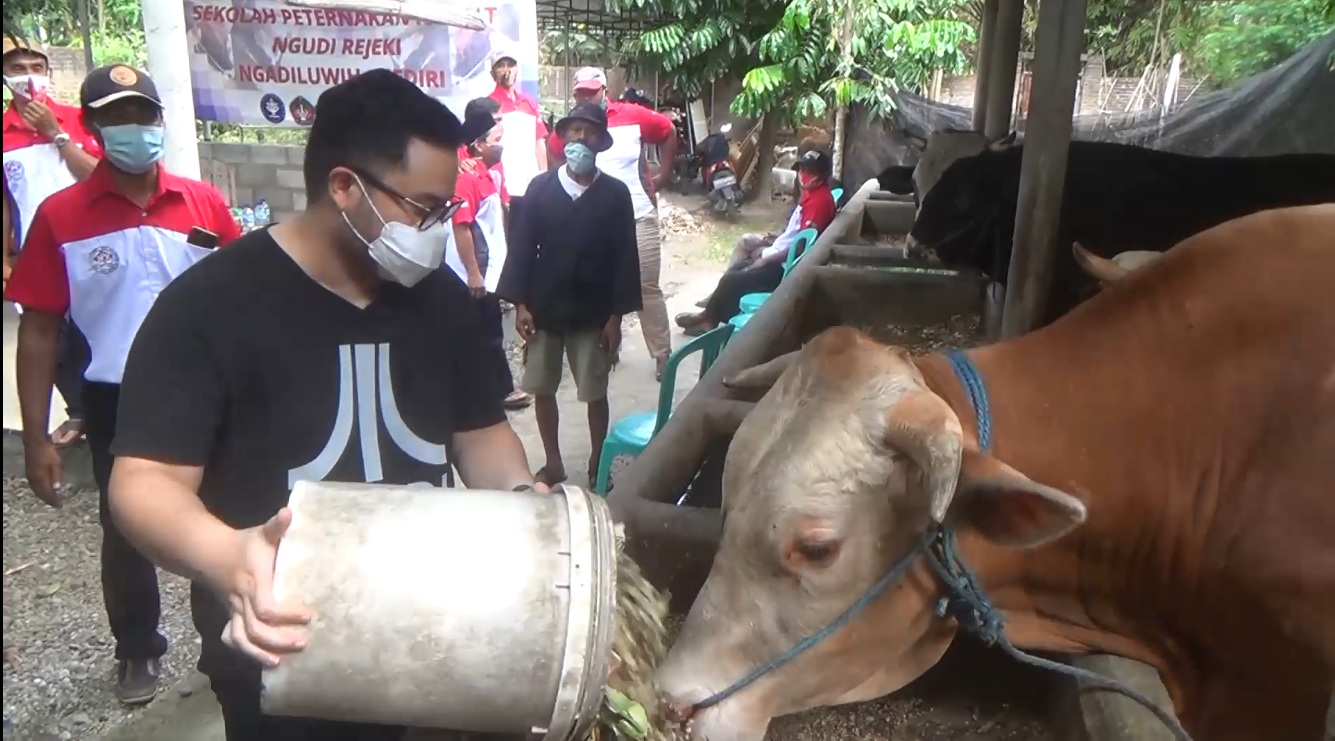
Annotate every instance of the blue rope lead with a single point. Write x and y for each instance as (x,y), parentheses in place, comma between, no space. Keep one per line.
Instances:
(965,601)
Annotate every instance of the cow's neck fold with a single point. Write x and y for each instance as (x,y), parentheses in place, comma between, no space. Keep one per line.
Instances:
(1054,598)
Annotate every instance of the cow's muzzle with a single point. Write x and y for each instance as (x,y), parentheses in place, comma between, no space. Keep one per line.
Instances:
(916,250)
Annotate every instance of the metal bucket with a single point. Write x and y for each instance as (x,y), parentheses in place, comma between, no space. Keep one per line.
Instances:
(481,611)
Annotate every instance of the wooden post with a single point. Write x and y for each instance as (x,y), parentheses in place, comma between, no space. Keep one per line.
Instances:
(1060,40)
(987,32)
(1001,77)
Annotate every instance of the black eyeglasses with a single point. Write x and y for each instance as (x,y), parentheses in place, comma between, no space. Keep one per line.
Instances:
(431,215)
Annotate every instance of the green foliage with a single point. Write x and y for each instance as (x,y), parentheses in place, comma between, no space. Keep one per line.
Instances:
(790,56)
(894,44)
(1233,40)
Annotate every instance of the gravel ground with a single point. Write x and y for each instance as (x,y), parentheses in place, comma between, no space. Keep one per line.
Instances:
(57,646)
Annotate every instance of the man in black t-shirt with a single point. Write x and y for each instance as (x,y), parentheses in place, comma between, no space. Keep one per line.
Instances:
(329,347)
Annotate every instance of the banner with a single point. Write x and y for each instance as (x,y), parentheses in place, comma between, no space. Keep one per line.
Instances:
(265,63)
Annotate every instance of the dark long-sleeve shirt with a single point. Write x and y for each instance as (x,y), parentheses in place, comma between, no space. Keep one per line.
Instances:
(573,262)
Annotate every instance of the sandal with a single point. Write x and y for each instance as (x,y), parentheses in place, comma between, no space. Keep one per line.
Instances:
(68,433)
(518,400)
(546,477)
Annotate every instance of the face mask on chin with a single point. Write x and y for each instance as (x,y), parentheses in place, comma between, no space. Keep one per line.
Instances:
(403,254)
(28,87)
(493,157)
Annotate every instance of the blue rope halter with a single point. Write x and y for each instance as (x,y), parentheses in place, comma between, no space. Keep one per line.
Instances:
(964,600)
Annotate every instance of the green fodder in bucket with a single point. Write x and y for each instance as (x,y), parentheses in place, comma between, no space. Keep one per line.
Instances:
(632,709)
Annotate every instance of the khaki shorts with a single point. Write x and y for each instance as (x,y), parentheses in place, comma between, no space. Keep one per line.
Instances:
(590,364)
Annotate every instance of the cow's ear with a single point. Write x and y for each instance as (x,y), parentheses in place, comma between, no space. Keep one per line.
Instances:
(761,377)
(1004,142)
(897,179)
(1009,508)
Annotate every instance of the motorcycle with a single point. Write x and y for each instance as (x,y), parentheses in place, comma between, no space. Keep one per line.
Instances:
(718,175)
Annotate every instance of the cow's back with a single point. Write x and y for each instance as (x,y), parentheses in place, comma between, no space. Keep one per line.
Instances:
(1213,372)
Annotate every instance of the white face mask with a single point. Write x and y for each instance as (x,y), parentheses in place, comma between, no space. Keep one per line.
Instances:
(30,87)
(404,254)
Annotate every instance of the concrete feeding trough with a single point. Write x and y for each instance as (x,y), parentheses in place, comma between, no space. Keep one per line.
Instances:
(669,498)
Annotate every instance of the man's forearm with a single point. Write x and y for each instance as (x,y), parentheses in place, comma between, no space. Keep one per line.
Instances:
(159,512)
(79,162)
(463,239)
(35,370)
(492,458)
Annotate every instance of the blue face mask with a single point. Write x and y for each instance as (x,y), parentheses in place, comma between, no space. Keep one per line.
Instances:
(579,158)
(133,148)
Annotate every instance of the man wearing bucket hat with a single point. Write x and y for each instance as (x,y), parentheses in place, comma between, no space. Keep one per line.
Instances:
(330,347)
(572,274)
(632,127)
(101,251)
(524,142)
(47,148)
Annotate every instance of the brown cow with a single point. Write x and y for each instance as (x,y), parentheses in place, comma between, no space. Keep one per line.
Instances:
(1159,486)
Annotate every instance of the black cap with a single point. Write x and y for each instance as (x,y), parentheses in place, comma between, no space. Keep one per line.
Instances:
(117,82)
(591,113)
(816,162)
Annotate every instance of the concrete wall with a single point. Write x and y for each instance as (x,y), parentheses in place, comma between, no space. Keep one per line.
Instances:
(67,73)
(247,172)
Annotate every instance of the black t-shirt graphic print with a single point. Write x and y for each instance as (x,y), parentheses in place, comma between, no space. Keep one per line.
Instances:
(248,367)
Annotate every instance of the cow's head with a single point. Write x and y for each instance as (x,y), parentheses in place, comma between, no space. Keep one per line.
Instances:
(1108,271)
(975,197)
(939,151)
(830,481)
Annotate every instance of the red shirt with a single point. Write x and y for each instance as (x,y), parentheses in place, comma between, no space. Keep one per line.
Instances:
(517,101)
(817,208)
(34,165)
(95,254)
(496,171)
(472,189)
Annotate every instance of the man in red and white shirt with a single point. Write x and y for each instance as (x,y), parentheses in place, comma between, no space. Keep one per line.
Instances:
(47,149)
(525,153)
(633,126)
(101,250)
(478,247)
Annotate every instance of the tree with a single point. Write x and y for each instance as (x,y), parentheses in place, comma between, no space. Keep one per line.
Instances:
(1230,41)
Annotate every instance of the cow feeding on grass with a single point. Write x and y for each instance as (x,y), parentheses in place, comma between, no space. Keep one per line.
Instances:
(1149,477)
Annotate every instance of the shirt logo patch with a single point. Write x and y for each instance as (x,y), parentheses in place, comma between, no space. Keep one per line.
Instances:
(104,260)
(13,171)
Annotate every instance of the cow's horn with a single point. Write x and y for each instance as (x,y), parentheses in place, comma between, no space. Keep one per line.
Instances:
(922,425)
(1099,268)
(763,376)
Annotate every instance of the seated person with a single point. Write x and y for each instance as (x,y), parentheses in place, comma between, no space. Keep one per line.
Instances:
(757,261)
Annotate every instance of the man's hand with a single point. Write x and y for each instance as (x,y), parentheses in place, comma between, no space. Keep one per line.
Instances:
(469,166)
(611,338)
(41,119)
(477,285)
(42,464)
(524,323)
(260,627)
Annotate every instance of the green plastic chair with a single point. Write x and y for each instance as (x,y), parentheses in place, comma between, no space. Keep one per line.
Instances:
(837,193)
(739,321)
(751,302)
(630,435)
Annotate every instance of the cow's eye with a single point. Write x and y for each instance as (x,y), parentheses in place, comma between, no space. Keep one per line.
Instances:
(817,552)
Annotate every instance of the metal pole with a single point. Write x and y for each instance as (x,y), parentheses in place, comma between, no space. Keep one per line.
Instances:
(86,33)
(1060,40)
(1005,58)
(987,32)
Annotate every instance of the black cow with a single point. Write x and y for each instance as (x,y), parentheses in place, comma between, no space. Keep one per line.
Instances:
(1118,198)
